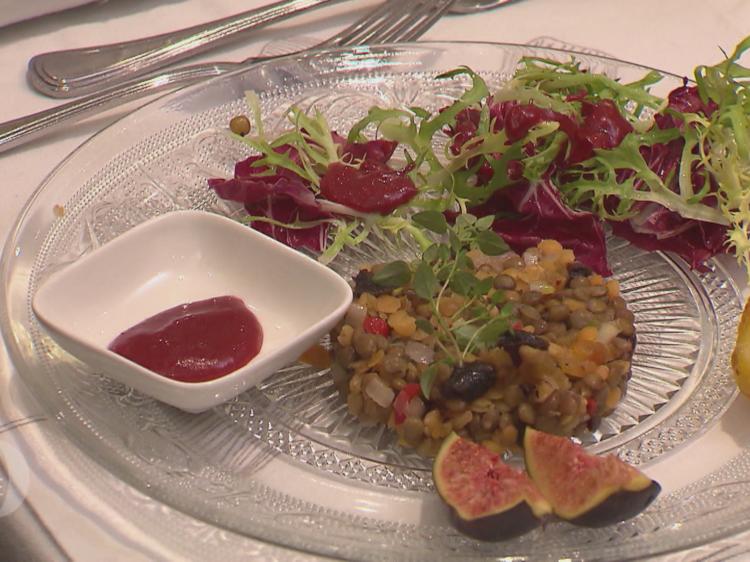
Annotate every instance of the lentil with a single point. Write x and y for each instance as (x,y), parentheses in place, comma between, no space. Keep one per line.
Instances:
(566,369)
(239,125)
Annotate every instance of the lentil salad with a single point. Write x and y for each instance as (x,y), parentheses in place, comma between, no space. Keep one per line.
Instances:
(563,364)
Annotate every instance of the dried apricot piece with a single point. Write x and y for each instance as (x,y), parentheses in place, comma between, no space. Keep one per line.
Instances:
(316,356)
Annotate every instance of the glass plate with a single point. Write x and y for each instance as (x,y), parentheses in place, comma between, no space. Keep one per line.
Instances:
(285,463)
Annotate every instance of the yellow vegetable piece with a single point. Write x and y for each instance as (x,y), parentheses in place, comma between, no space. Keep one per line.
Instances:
(741,355)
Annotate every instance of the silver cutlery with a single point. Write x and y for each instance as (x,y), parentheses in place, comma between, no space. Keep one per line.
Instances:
(76,72)
(474,6)
(14,424)
(393,21)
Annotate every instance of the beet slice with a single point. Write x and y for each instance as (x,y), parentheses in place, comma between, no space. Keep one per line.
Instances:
(369,188)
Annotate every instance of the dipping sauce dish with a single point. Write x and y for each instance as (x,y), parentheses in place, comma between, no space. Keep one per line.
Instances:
(183,257)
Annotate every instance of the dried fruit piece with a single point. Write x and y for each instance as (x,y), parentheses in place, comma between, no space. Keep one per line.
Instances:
(317,356)
(470,381)
(584,489)
(489,500)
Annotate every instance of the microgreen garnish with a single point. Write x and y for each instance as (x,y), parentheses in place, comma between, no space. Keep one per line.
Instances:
(427,379)
(445,271)
(394,274)
(476,323)
(431,220)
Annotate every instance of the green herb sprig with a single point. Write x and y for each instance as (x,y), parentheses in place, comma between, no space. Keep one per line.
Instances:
(446,267)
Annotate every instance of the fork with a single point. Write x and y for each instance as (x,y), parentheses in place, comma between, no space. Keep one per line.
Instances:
(77,72)
(393,21)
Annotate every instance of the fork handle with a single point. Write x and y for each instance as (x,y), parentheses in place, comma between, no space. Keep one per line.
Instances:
(64,74)
(24,129)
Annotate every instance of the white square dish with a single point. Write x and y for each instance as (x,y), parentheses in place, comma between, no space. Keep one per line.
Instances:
(183,257)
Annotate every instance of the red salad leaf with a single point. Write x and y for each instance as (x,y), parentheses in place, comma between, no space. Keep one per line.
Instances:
(465,128)
(687,100)
(542,214)
(696,244)
(655,227)
(374,151)
(370,188)
(283,196)
(603,124)
(539,209)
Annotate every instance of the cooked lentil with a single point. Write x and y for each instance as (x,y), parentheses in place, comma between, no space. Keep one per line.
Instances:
(563,367)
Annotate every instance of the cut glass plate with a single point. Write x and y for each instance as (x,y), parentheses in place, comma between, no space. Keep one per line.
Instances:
(285,463)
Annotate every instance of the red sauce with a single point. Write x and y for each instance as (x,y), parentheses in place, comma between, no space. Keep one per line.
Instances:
(194,342)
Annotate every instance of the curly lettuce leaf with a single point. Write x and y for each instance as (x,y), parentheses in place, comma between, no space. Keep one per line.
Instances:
(724,139)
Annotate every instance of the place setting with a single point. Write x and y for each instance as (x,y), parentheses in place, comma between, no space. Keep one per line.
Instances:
(387,294)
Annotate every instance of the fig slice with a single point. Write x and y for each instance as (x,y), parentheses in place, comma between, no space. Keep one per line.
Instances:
(587,490)
(489,500)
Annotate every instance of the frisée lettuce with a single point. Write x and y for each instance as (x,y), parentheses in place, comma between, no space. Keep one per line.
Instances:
(556,152)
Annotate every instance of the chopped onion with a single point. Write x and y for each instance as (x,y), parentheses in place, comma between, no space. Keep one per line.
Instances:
(355,316)
(419,352)
(531,256)
(495,263)
(541,287)
(415,408)
(607,332)
(381,393)
(339,374)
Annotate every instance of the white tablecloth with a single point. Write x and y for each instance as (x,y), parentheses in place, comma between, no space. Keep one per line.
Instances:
(673,35)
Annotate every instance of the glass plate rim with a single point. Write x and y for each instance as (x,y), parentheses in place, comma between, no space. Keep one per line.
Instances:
(13,234)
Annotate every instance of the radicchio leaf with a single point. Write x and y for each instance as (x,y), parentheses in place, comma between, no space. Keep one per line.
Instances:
(655,227)
(697,243)
(369,188)
(375,151)
(283,197)
(542,214)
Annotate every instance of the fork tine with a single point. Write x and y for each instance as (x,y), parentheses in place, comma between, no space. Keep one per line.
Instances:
(419,27)
(390,27)
(419,19)
(19,131)
(382,16)
(395,20)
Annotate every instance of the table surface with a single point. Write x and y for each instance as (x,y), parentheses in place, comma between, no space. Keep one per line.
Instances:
(672,35)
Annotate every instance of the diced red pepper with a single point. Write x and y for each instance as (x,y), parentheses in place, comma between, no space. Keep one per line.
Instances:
(591,406)
(375,325)
(517,325)
(402,401)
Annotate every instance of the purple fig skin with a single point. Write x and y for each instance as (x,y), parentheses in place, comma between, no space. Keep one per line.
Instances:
(514,522)
(618,507)
(488,500)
